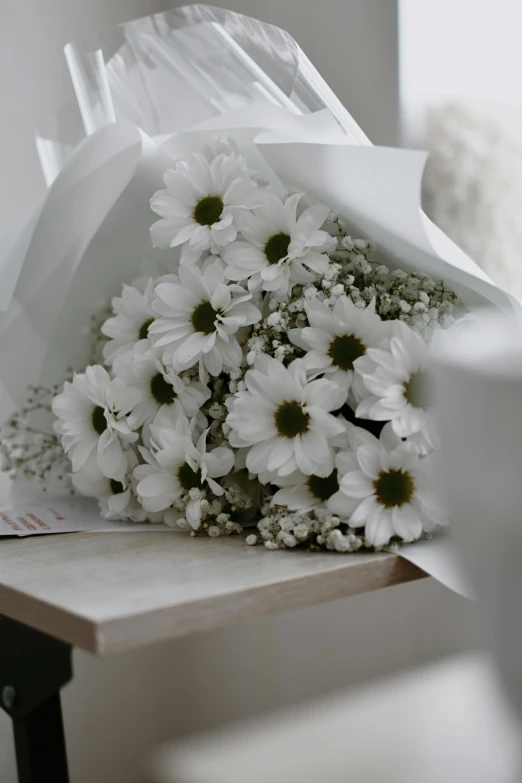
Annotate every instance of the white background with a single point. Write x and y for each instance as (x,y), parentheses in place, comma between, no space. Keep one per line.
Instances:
(466,48)
(117,709)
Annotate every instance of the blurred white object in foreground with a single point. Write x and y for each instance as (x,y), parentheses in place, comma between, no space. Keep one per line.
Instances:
(473,183)
(479,392)
(443,724)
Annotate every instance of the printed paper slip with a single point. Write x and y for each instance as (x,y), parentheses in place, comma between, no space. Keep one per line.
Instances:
(62,515)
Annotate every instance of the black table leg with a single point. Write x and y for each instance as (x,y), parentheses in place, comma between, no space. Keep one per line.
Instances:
(33,668)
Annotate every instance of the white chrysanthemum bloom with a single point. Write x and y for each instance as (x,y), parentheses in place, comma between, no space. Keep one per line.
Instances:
(198,318)
(202,202)
(176,467)
(92,414)
(392,489)
(281,249)
(285,419)
(116,498)
(338,338)
(168,417)
(303,493)
(133,315)
(158,386)
(397,385)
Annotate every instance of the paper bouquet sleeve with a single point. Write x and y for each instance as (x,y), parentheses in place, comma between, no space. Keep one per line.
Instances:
(149,91)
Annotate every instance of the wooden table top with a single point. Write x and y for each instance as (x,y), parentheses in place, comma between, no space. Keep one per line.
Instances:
(109,592)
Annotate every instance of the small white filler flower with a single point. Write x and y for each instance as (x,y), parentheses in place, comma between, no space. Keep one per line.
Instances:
(392,489)
(285,419)
(92,421)
(197,319)
(176,467)
(201,203)
(398,387)
(281,249)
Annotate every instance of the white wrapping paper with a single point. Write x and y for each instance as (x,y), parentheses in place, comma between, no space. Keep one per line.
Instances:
(91,233)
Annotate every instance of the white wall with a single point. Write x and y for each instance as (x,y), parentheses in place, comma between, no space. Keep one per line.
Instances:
(117,709)
(467,49)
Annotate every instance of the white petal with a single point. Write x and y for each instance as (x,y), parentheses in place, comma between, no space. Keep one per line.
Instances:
(193,513)
(111,460)
(379,529)
(157,485)
(188,352)
(365,511)
(282,452)
(219,461)
(356,485)
(259,454)
(368,458)
(406,523)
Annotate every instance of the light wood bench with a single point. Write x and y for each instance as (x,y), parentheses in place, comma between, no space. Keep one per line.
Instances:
(111,592)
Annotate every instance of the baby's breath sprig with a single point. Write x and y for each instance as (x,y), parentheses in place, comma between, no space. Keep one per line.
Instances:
(311,530)
(31,451)
(315,530)
(406,296)
(215,409)
(271,334)
(399,295)
(97,339)
(220,516)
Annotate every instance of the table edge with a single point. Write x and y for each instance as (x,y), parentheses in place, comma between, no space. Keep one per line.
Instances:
(227,608)
(120,634)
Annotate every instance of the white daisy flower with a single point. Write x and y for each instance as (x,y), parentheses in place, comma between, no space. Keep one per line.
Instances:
(133,314)
(392,490)
(168,417)
(176,467)
(116,498)
(281,249)
(303,493)
(198,317)
(338,338)
(92,421)
(396,380)
(202,202)
(285,419)
(158,386)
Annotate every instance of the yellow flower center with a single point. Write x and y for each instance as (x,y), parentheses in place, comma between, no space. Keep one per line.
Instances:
(162,391)
(277,247)
(416,390)
(208,210)
(323,488)
(144,329)
(188,478)
(204,318)
(344,350)
(394,488)
(291,420)
(99,422)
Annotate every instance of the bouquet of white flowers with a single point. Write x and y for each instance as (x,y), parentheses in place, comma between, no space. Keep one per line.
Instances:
(273,292)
